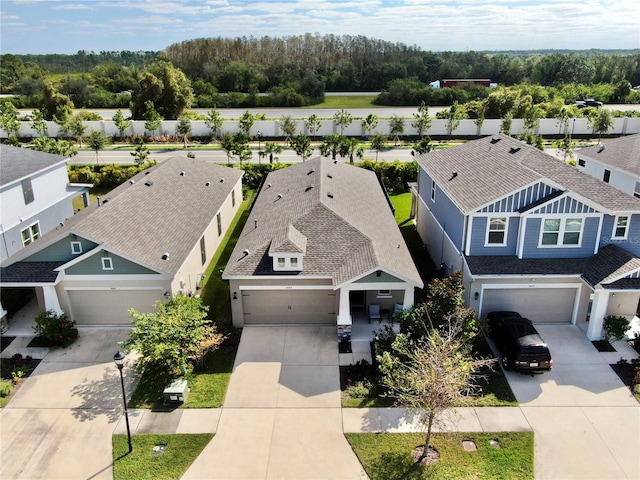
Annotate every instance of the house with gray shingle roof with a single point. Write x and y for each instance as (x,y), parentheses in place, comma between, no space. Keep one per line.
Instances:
(149,238)
(321,241)
(530,233)
(615,161)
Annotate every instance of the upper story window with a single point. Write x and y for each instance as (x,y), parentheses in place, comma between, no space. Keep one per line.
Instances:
(620,227)
(76,248)
(27,191)
(433,190)
(30,234)
(219,221)
(606,176)
(107,263)
(282,262)
(496,231)
(582,162)
(294,262)
(561,231)
(287,263)
(203,251)
(233,198)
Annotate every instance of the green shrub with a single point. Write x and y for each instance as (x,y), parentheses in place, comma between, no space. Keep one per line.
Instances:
(615,327)
(359,390)
(20,372)
(5,388)
(56,329)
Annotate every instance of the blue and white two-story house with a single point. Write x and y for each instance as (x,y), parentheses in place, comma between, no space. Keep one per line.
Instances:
(530,233)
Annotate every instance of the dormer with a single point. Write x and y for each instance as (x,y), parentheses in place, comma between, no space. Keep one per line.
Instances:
(288,253)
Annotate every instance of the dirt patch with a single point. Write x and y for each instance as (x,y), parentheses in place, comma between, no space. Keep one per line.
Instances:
(603,346)
(429,459)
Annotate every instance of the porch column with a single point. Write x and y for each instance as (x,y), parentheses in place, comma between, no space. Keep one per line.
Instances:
(408,298)
(344,315)
(598,312)
(51,299)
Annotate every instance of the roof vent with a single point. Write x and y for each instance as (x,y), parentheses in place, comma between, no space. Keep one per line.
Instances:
(147,172)
(311,171)
(309,187)
(222,180)
(132,181)
(513,150)
(278,197)
(453,175)
(268,185)
(335,162)
(255,223)
(148,183)
(182,173)
(330,195)
(105,200)
(495,139)
(600,148)
(245,252)
(208,184)
(165,256)
(329,175)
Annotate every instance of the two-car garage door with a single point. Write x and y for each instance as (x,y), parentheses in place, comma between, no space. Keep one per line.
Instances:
(110,307)
(540,305)
(289,306)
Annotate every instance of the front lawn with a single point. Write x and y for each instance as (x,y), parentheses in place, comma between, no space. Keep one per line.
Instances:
(143,463)
(388,455)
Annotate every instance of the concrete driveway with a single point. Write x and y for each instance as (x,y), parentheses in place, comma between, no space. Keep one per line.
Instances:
(59,424)
(281,417)
(586,422)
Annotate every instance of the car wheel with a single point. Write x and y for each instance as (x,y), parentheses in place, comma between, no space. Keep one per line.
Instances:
(506,364)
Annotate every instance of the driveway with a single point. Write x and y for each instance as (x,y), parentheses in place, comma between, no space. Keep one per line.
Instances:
(281,417)
(59,424)
(586,422)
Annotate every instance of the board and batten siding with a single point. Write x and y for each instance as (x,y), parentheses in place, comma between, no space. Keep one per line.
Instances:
(479,235)
(93,266)
(586,248)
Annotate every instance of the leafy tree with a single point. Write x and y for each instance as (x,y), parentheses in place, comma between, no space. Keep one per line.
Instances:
(378,142)
(74,128)
(121,122)
(273,150)
(168,338)
(38,123)
(350,146)
(152,118)
(57,147)
(141,153)
(342,119)
(601,121)
(227,144)
(423,145)
(301,144)
(214,122)
(505,125)
(56,106)
(369,123)
(453,116)
(396,128)
(566,145)
(236,144)
(183,127)
(9,118)
(288,127)
(97,142)
(167,87)
(478,110)
(246,122)
(312,124)
(422,121)
(331,145)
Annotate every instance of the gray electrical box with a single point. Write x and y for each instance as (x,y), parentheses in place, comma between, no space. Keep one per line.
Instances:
(176,392)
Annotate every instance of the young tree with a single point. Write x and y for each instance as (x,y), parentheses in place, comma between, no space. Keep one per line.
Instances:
(396,128)
(505,125)
(288,127)
(38,123)
(168,338)
(301,144)
(454,115)
(378,142)
(342,119)
(601,121)
(57,147)
(97,142)
(240,147)
(273,150)
(422,121)
(312,124)
(424,145)
(350,146)
(9,118)
(74,128)
(331,145)
(369,123)
(121,122)
(227,144)
(141,152)
(214,122)
(246,122)
(152,118)
(183,127)
(479,110)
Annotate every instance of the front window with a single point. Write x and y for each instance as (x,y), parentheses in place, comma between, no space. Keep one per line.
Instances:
(561,231)
(496,233)
(433,190)
(621,227)
(30,234)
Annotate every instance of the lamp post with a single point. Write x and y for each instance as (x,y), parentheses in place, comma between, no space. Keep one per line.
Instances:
(118,358)
(259,149)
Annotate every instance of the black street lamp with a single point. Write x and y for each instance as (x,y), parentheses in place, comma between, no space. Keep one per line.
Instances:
(259,149)
(119,359)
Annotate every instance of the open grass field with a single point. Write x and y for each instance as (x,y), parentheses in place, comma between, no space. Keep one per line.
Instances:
(349,101)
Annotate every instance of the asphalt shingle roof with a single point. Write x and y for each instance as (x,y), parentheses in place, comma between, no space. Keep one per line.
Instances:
(17,163)
(491,167)
(30,272)
(622,153)
(342,212)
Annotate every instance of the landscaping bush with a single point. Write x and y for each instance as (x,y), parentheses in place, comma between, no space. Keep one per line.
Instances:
(5,388)
(359,390)
(615,327)
(55,328)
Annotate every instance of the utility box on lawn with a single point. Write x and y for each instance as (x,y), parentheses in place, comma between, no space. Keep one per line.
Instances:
(176,392)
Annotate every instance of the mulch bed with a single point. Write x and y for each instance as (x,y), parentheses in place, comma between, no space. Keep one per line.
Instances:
(5,341)
(603,346)
(8,364)
(626,372)
(40,342)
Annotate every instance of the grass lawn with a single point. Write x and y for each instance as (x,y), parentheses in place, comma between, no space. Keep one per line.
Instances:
(208,387)
(387,456)
(349,101)
(142,464)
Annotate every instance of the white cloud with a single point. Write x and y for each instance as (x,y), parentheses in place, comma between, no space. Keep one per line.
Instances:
(72,6)
(7,16)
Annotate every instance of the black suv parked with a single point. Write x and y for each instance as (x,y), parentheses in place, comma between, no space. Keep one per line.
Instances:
(519,343)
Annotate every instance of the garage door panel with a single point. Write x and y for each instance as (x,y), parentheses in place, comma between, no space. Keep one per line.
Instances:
(540,305)
(289,306)
(107,307)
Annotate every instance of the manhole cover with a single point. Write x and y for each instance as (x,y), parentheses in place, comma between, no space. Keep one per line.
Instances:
(158,449)
(469,446)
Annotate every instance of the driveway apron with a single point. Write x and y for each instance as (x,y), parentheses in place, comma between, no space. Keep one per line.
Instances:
(281,417)
(585,420)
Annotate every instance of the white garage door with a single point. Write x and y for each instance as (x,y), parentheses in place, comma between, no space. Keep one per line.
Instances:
(540,305)
(289,306)
(106,307)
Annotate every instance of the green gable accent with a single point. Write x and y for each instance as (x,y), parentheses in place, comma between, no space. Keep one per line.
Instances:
(383,278)
(121,266)
(61,250)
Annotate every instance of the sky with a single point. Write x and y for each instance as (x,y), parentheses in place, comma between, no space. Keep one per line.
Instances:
(66,26)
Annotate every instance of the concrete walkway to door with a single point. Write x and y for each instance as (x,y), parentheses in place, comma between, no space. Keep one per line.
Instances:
(281,417)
